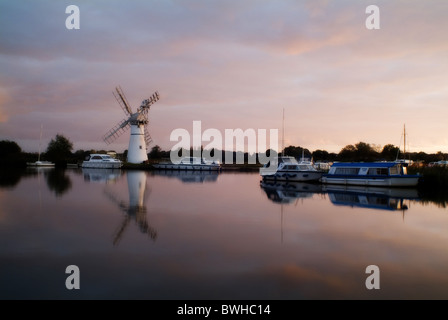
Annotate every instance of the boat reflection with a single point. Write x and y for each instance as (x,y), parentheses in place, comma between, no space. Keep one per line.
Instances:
(189,176)
(341,195)
(101,175)
(288,192)
(371,197)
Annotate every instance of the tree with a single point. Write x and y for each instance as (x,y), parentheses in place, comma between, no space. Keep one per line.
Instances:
(59,149)
(359,152)
(9,147)
(156,152)
(297,152)
(321,155)
(348,153)
(365,152)
(390,152)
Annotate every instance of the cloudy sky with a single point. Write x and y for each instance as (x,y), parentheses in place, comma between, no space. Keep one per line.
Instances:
(230,64)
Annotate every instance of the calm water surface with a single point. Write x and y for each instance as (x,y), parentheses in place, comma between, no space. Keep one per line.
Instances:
(171,235)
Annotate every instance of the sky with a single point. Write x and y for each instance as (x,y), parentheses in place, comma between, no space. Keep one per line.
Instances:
(229,64)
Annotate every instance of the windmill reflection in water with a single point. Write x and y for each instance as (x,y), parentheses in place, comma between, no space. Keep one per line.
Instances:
(135,209)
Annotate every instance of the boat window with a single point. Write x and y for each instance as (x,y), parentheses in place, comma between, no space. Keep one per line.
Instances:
(377,171)
(96,157)
(291,167)
(351,171)
(394,170)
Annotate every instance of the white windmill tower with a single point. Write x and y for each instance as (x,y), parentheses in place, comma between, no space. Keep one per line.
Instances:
(138,122)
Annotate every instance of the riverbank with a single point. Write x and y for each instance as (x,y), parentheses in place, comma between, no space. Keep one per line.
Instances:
(224,167)
(431,177)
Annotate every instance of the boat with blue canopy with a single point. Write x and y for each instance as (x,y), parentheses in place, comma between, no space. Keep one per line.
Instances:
(390,174)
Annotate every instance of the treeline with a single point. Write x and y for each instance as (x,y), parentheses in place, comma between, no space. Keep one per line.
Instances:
(351,153)
(60,151)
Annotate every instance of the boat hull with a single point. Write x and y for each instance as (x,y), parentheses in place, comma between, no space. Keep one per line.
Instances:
(40,164)
(101,165)
(296,176)
(386,181)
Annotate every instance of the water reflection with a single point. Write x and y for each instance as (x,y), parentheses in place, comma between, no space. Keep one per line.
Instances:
(214,241)
(58,181)
(10,178)
(101,175)
(371,197)
(135,208)
(341,195)
(189,176)
(288,192)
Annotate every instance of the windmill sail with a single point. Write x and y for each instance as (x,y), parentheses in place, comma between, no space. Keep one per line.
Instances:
(148,138)
(116,131)
(122,101)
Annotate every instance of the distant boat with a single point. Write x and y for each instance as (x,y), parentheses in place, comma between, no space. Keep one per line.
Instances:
(40,163)
(101,161)
(390,174)
(289,169)
(190,163)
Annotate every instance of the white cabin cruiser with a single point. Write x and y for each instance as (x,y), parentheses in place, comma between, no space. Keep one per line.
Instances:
(190,163)
(287,168)
(101,161)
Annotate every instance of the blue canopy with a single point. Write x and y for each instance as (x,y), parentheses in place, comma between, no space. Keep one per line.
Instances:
(365,164)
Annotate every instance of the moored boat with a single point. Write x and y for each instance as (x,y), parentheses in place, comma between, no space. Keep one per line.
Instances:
(391,174)
(287,168)
(39,163)
(101,161)
(190,163)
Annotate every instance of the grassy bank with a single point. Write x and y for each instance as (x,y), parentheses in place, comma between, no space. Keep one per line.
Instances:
(433,185)
(431,177)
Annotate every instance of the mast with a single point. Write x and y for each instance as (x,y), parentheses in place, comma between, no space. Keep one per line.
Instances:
(404,137)
(40,142)
(283,132)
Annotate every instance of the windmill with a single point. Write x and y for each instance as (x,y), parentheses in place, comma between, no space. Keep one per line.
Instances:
(138,122)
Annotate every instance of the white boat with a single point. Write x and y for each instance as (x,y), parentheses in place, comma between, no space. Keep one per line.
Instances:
(101,161)
(391,174)
(190,163)
(40,163)
(289,169)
